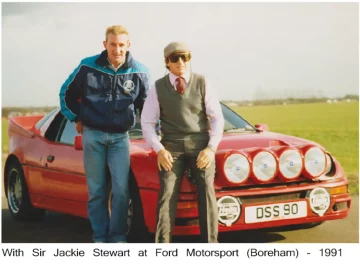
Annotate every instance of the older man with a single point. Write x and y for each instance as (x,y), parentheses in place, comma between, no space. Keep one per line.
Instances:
(191,125)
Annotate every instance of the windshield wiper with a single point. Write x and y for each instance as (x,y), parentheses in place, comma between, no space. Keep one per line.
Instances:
(234,129)
(238,129)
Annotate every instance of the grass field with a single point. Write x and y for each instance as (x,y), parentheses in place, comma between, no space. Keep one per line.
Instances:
(334,126)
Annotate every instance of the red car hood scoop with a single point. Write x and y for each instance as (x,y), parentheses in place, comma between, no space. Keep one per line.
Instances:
(262,140)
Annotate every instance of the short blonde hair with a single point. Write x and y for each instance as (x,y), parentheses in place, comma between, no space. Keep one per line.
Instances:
(116,30)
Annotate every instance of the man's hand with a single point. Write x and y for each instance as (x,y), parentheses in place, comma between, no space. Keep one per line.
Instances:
(164,160)
(79,127)
(205,158)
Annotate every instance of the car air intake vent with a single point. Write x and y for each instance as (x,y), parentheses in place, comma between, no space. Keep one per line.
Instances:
(267,185)
(273,143)
(272,197)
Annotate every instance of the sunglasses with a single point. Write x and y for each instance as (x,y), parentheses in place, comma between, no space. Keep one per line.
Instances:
(185,57)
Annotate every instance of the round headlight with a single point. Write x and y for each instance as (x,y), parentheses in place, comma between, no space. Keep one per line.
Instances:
(237,168)
(290,164)
(264,166)
(315,161)
(328,164)
(319,200)
(229,209)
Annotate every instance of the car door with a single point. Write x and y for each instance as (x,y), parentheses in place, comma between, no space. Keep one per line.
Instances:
(63,172)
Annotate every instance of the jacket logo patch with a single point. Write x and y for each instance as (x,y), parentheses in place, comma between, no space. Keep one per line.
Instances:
(128,86)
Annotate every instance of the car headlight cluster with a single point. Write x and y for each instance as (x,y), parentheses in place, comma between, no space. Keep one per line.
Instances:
(288,163)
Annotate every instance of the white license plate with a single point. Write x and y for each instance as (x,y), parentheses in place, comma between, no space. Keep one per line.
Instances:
(272,212)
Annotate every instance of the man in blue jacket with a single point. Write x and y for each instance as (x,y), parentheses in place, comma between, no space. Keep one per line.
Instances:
(102,96)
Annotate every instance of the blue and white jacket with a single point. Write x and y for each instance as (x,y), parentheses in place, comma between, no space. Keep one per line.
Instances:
(102,98)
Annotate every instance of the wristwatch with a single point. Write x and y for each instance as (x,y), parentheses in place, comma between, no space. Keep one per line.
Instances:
(211,148)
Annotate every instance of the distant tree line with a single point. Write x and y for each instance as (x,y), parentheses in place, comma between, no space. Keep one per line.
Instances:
(290,100)
(6,111)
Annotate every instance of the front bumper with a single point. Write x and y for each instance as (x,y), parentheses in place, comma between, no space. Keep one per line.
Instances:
(187,216)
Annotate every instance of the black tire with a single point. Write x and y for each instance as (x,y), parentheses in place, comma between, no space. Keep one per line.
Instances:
(18,198)
(138,232)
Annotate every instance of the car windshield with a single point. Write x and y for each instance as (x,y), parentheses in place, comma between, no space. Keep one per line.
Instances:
(45,118)
(233,123)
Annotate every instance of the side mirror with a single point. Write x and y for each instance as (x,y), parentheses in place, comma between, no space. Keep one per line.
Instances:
(78,143)
(262,127)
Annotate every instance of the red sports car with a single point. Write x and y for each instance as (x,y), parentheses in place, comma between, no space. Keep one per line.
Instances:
(263,179)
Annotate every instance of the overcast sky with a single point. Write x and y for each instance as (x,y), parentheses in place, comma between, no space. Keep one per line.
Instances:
(247,50)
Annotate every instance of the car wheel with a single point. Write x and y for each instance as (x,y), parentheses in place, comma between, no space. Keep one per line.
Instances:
(18,198)
(137,230)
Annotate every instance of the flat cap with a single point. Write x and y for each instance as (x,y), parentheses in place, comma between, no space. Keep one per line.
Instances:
(175,47)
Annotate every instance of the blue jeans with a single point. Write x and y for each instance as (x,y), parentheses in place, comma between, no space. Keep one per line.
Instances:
(101,149)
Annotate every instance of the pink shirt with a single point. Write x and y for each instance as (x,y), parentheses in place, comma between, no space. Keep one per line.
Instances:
(151,114)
